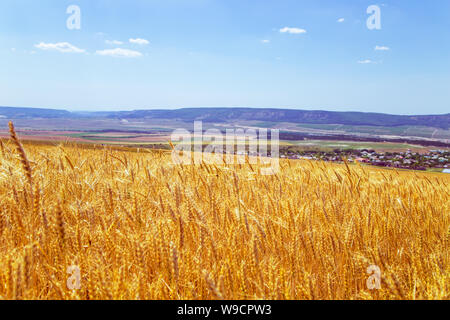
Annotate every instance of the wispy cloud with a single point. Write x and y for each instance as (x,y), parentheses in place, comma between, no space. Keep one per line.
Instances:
(265,41)
(139,41)
(64,47)
(366,61)
(119,53)
(382,48)
(114,42)
(292,30)
(341,20)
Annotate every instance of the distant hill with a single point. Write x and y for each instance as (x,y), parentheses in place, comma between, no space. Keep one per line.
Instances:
(29,113)
(224,115)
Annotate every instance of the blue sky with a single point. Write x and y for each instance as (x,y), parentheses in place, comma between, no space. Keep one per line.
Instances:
(145,54)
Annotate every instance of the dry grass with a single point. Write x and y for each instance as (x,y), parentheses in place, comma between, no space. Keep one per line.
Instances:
(141,228)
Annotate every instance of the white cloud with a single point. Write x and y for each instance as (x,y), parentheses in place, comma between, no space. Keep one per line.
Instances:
(114,42)
(341,20)
(382,48)
(265,41)
(119,53)
(139,41)
(367,61)
(60,46)
(292,30)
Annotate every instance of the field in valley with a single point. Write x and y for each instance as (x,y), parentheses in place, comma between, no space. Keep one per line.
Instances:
(139,227)
(160,140)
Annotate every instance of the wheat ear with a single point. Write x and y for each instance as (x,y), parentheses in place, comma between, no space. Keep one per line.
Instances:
(23,157)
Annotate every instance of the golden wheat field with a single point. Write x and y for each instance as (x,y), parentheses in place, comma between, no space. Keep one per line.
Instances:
(139,227)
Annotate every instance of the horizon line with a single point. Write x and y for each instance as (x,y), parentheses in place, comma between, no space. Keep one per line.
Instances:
(223,107)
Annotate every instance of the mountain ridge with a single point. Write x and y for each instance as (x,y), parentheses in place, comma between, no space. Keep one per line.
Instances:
(223,115)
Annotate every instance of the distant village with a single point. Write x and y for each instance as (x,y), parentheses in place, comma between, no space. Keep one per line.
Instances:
(438,159)
(434,159)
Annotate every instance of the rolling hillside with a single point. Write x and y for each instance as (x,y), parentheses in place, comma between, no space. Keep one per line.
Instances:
(27,113)
(224,115)
(219,115)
